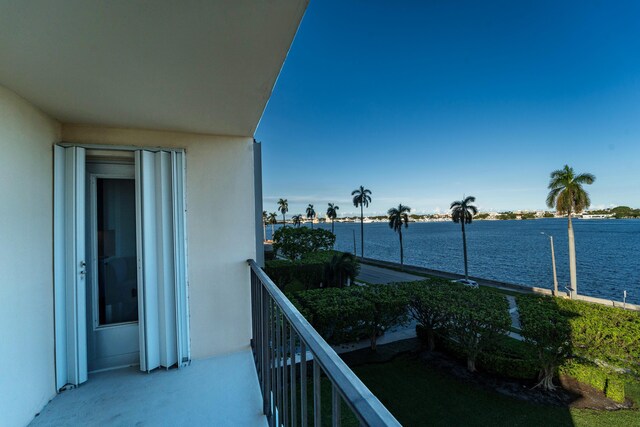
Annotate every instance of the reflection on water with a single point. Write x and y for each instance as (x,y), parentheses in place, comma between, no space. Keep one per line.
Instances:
(608,251)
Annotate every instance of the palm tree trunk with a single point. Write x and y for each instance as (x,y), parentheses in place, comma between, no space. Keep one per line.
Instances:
(572,259)
(332,226)
(284,221)
(464,248)
(271,231)
(361,231)
(401,250)
(264,230)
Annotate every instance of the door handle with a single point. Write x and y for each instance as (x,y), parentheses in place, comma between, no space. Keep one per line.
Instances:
(83,268)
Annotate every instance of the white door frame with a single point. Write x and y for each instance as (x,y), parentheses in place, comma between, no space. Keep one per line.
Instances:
(69,259)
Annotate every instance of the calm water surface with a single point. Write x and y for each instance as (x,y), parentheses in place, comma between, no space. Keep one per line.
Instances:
(608,251)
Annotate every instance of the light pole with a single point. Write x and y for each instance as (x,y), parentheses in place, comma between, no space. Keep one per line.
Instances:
(553,262)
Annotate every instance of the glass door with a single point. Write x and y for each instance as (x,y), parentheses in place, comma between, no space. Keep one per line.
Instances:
(112,288)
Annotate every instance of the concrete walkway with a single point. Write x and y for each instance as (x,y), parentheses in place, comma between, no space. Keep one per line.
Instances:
(513,312)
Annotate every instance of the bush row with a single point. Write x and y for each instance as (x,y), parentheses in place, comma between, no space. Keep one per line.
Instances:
(314,270)
(603,333)
(498,359)
(593,332)
(473,318)
(343,315)
(610,383)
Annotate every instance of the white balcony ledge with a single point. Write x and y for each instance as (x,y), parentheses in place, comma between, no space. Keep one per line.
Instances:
(220,391)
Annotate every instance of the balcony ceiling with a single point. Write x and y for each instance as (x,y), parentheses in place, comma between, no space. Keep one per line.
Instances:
(191,66)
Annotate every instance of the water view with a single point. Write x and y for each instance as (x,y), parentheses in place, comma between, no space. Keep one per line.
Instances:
(608,251)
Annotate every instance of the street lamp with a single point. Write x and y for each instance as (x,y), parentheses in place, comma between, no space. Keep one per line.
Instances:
(553,262)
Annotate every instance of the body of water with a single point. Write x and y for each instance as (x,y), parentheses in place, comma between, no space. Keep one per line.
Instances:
(608,251)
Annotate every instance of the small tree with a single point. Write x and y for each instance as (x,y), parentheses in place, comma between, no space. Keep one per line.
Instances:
(387,307)
(548,330)
(293,243)
(428,304)
(477,319)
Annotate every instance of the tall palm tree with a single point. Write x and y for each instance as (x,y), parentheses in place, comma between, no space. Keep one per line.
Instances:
(398,217)
(568,196)
(297,220)
(283,207)
(332,214)
(273,219)
(361,198)
(462,212)
(311,214)
(264,225)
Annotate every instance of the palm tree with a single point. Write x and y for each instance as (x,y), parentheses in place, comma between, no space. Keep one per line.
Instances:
(273,219)
(462,212)
(311,214)
(361,198)
(264,225)
(332,214)
(568,197)
(297,220)
(283,207)
(397,217)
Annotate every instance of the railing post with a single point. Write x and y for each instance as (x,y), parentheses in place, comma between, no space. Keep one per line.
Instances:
(317,398)
(292,352)
(276,325)
(335,407)
(285,374)
(303,383)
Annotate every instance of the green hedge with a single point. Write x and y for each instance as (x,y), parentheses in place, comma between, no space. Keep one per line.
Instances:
(344,315)
(335,313)
(609,334)
(610,383)
(326,268)
(506,358)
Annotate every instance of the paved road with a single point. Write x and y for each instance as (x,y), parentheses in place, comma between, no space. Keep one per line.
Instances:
(379,275)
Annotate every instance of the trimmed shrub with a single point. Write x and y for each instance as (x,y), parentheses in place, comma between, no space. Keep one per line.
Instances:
(335,313)
(294,243)
(506,357)
(611,384)
(343,315)
(314,270)
(387,307)
(602,333)
(428,303)
(477,318)
(547,330)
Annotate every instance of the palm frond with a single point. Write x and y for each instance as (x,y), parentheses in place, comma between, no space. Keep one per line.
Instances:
(585,178)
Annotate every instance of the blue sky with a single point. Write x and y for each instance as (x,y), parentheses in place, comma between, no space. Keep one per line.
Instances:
(424,101)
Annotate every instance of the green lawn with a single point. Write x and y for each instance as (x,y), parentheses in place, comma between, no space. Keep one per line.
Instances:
(419,395)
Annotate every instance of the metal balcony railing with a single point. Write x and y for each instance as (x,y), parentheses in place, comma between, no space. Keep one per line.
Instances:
(284,343)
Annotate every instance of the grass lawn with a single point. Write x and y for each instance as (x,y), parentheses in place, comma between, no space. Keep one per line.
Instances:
(419,395)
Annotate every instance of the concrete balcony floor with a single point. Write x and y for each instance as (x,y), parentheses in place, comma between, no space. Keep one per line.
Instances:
(220,391)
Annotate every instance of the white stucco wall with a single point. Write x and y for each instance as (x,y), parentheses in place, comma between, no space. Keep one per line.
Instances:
(26,259)
(220,228)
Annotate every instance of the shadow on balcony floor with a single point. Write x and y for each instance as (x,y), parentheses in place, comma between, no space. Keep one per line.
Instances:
(220,391)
